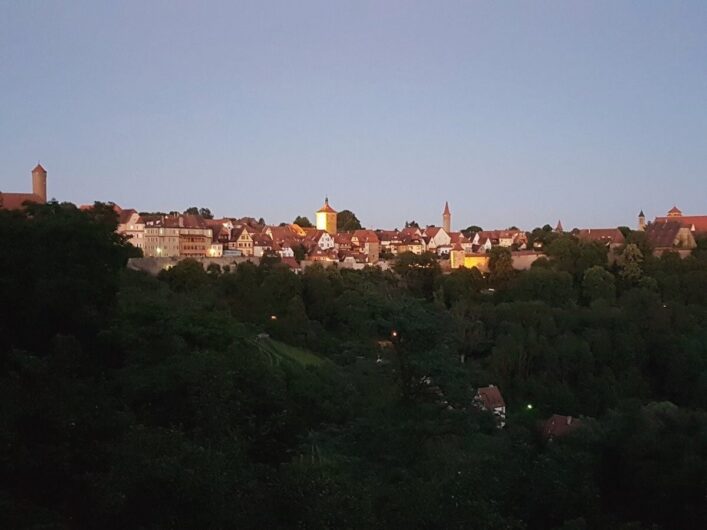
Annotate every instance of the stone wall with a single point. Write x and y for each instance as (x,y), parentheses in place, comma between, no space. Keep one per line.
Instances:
(155,265)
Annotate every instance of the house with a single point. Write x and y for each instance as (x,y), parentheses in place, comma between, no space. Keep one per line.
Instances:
(15,201)
(262,244)
(557,426)
(367,241)
(409,243)
(489,398)
(342,241)
(318,238)
(668,236)
(610,237)
(177,235)
(292,264)
(438,237)
(697,224)
(320,255)
(132,226)
(242,239)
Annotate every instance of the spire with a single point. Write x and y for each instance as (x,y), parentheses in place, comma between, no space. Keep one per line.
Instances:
(640,214)
(559,228)
(446,209)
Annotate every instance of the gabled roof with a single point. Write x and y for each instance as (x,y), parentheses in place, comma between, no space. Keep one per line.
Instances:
(662,235)
(602,235)
(125,215)
(558,425)
(365,236)
(490,397)
(696,223)
(326,208)
(674,211)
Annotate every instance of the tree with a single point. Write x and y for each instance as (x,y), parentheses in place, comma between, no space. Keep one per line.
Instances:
(471,230)
(629,262)
(598,284)
(347,221)
(203,212)
(411,224)
(500,264)
(419,272)
(303,222)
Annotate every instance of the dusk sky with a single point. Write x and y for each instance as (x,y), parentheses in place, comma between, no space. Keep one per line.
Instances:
(515,112)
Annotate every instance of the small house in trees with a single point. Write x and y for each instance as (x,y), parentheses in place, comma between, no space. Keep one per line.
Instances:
(489,398)
(557,426)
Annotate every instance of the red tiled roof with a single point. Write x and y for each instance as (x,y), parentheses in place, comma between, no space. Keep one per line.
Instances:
(15,201)
(696,223)
(602,235)
(558,425)
(490,397)
(326,208)
(366,236)
(662,235)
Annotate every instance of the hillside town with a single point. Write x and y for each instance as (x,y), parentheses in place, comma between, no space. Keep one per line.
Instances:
(196,234)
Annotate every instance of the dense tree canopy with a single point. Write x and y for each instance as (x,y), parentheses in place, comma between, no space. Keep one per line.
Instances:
(303,222)
(257,398)
(346,221)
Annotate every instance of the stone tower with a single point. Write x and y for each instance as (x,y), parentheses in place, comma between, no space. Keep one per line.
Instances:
(326,218)
(39,183)
(641,221)
(447,218)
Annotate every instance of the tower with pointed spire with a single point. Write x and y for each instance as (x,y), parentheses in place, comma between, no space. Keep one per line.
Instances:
(641,220)
(39,182)
(447,218)
(326,218)
(559,229)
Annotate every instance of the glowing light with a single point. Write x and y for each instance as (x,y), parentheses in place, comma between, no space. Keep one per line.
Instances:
(273,317)
(529,406)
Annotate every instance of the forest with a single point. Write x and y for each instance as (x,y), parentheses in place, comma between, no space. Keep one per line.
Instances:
(256,398)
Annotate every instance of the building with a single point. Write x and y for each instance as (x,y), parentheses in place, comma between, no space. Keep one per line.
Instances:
(326,218)
(447,218)
(177,235)
(610,237)
(557,426)
(15,201)
(367,241)
(132,226)
(489,398)
(669,236)
(697,224)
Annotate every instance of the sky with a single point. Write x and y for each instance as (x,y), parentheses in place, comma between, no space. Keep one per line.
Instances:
(517,113)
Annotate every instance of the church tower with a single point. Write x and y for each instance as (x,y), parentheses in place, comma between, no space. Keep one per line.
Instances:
(641,221)
(39,183)
(447,218)
(326,218)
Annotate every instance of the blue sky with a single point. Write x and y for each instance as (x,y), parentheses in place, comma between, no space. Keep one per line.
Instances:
(516,112)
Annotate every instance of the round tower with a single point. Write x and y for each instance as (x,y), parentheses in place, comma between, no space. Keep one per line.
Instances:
(39,183)
(326,218)
(447,218)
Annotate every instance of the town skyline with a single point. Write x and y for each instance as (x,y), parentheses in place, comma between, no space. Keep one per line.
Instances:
(390,109)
